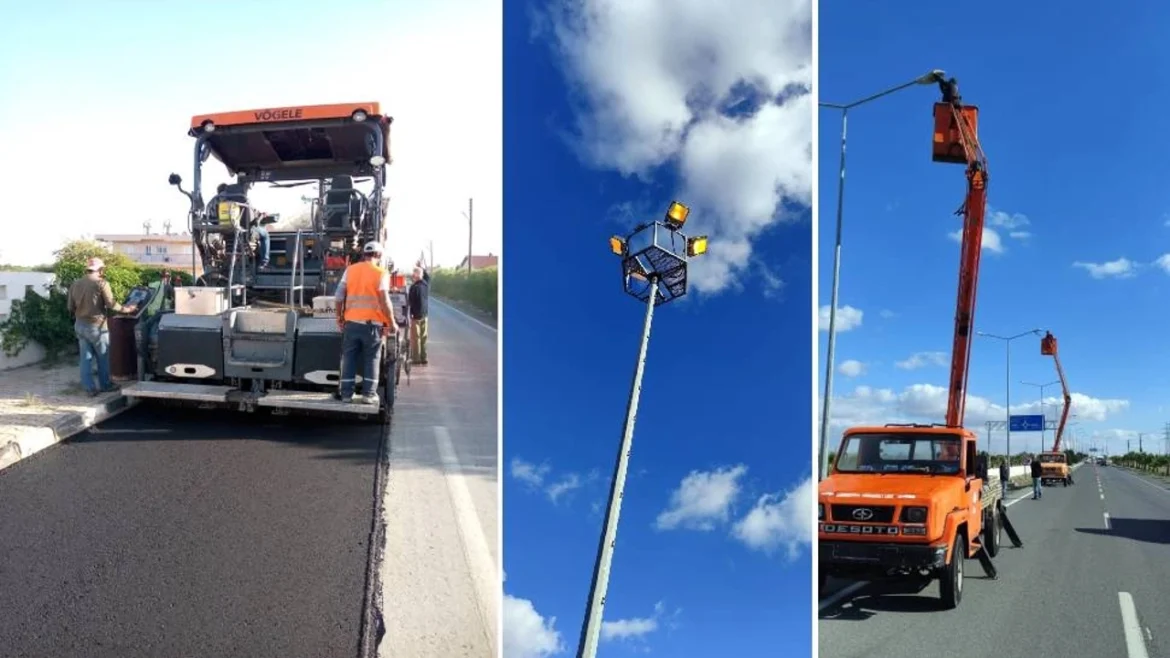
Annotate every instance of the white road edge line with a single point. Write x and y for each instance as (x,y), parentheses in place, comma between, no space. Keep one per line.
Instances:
(1135,643)
(841,594)
(1107,527)
(484,574)
(1147,482)
(468,316)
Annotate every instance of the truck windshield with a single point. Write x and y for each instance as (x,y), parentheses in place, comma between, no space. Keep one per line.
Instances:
(900,453)
(1053,459)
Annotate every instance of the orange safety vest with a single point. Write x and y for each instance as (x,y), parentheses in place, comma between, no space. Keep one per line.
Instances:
(361,293)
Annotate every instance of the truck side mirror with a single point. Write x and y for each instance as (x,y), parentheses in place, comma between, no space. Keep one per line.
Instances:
(981,467)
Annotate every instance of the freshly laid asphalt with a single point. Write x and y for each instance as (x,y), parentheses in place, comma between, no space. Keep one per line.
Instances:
(214,533)
(1090,580)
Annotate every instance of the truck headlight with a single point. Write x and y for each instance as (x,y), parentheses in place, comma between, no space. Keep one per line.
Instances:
(913,515)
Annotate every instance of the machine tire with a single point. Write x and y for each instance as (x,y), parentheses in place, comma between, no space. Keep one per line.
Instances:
(950,582)
(992,533)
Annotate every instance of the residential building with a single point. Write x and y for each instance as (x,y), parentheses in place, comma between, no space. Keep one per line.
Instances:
(163,250)
(479,262)
(14,285)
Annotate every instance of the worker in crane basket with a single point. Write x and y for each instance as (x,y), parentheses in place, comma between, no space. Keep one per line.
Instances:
(364,317)
(90,301)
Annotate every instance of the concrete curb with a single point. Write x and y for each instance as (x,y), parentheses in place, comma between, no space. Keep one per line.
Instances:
(36,439)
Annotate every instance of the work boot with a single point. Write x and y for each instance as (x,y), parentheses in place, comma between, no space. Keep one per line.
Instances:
(337,396)
(370,399)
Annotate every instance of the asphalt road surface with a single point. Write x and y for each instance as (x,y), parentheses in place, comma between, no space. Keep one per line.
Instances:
(168,533)
(1090,580)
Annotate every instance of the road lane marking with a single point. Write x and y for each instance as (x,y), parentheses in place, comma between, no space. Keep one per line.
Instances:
(1135,642)
(842,593)
(484,574)
(1107,521)
(1147,482)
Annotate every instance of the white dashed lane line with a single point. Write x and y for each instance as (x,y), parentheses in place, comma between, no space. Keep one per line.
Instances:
(1135,639)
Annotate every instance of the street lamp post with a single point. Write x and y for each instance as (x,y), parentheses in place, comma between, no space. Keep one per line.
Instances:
(1044,425)
(927,79)
(1007,340)
(654,267)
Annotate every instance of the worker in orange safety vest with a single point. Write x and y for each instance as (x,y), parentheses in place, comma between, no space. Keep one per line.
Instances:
(364,317)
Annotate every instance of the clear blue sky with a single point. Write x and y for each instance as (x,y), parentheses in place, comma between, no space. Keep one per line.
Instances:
(727,387)
(1078,201)
(112,85)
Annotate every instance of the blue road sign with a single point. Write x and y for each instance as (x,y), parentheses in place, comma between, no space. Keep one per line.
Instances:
(1026,423)
(1092,450)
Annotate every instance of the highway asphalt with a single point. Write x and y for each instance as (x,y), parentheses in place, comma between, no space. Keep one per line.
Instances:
(196,533)
(1090,580)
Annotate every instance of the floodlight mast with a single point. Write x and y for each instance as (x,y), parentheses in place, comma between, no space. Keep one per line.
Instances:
(664,272)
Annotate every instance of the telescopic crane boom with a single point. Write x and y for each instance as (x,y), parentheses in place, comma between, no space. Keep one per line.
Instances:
(1048,348)
(956,141)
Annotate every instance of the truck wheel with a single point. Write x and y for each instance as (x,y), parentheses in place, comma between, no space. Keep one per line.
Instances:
(993,533)
(950,580)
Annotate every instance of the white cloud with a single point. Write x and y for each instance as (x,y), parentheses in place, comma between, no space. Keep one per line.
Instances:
(923,359)
(526,633)
(1019,235)
(1163,262)
(991,240)
(564,485)
(1122,268)
(1006,220)
(702,500)
(722,94)
(445,149)
(529,473)
(633,628)
(887,314)
(535,476)
(847,318)
(779,520)
(867,405)
(851,368)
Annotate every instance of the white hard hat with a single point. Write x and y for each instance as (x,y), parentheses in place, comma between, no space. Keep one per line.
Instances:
(94,264)
(372,248)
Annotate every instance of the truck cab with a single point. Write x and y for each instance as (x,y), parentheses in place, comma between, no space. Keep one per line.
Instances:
(906,502)
(1054,468)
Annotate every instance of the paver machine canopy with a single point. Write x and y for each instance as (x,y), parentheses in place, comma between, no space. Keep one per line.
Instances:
(332,146)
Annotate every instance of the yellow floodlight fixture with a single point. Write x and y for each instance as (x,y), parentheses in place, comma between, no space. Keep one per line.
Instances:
(697,246)
(676,215)
(617,246)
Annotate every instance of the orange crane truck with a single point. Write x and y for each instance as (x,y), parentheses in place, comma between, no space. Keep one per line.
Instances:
(1054,466)
(913,502)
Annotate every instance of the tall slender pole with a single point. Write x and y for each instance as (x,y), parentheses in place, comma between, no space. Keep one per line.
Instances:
(828,395)
(469,216)
(1007,397)
(591,629)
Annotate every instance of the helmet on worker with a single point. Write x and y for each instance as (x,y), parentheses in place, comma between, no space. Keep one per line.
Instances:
(373,248)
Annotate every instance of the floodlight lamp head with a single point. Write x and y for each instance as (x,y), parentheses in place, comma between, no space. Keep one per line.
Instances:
(617,246)
(696,246)
(676,215)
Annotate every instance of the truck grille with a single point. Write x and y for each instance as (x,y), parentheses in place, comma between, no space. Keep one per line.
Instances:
(876,513)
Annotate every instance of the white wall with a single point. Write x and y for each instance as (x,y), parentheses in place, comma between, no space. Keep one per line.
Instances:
(13,286)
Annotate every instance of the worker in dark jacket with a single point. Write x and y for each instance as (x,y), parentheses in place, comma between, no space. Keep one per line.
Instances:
(1037,472)
(418,297)
(1005,475)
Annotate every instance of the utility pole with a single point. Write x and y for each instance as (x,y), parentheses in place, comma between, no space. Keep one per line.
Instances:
(470,214)
(1140,449)
(432,249)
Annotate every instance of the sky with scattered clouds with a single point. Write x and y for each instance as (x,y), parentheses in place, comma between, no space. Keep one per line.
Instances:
(1063,249)
(115,88)
(611,111)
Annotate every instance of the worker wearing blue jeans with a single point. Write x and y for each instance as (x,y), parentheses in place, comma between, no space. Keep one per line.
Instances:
(364,317)
(1037,486)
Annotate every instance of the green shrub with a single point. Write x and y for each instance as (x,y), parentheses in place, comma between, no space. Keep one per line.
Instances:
(46,321)
(481,289)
